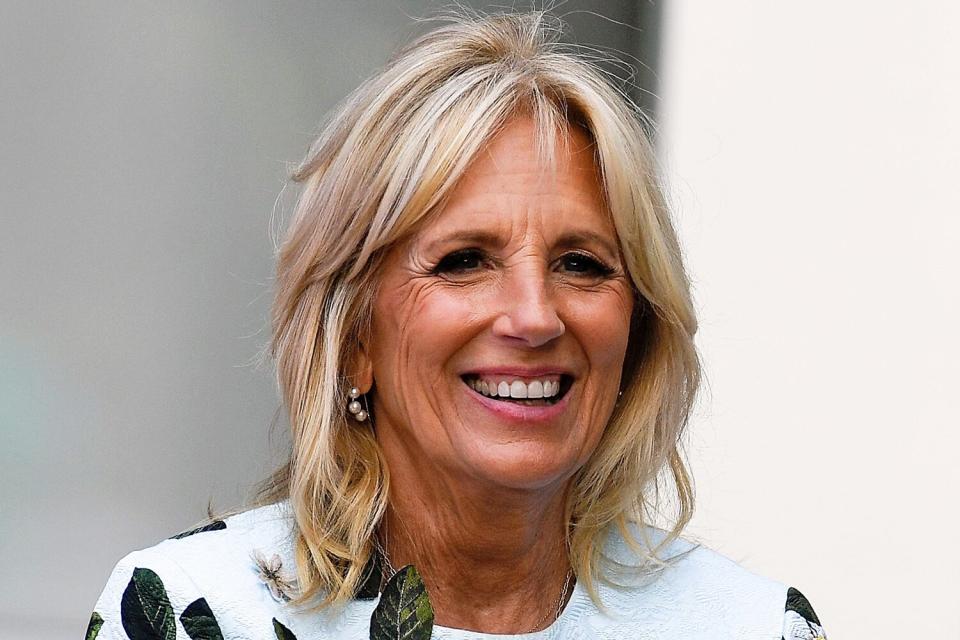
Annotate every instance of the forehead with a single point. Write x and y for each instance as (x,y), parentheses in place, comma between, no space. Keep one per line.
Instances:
(515,181)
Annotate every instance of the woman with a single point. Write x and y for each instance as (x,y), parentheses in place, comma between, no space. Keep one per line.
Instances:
(484,339)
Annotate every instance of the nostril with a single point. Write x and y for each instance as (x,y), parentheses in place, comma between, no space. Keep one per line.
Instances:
(529,326)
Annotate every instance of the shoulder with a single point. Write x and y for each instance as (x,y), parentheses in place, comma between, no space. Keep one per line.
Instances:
(208,577)
(231,543)
(228,554)
(686,571)
(692,592)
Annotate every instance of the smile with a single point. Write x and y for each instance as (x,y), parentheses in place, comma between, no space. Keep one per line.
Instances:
(539,391)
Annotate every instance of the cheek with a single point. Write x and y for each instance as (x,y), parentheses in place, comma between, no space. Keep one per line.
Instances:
(417,328)
(602,325)
(603,329)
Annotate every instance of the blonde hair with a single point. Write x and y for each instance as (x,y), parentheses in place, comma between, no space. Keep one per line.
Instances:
(383,163)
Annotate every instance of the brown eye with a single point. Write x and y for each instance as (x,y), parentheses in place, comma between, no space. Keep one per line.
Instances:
(462,261)
(581,263)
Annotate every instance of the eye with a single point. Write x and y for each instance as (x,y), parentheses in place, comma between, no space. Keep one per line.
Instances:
(461,261)
(581,263)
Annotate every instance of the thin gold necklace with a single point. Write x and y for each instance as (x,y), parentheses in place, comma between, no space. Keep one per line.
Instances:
(560,602)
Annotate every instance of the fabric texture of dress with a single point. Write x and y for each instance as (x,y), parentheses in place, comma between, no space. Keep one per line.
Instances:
(231,579)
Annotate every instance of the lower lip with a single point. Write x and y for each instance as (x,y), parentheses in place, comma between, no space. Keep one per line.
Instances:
(521,412)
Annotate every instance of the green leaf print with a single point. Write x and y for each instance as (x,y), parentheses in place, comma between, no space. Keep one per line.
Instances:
(145,609)
(404,611)
(96,621)
(796,601)
(199,622)
(282,632)
(216,525)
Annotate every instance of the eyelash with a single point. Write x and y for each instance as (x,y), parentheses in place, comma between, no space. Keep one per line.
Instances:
(453,263)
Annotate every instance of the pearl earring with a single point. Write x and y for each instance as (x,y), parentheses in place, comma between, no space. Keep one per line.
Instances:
(354,406)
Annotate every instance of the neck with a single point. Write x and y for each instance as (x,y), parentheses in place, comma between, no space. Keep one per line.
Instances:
(492,561)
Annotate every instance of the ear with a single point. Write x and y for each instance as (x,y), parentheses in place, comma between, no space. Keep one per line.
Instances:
(361,373)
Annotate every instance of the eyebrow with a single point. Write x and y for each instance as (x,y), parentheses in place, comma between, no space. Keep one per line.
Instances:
(582,237)
(571,239)
(472,237)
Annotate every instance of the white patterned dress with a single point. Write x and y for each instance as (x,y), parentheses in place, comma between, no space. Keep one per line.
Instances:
(232,579)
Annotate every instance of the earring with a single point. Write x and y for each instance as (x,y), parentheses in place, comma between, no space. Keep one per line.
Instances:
(354,406)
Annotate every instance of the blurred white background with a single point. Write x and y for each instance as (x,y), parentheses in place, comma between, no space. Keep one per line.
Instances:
(812,150)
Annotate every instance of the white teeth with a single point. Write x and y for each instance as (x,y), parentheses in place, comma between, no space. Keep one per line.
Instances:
(516,388)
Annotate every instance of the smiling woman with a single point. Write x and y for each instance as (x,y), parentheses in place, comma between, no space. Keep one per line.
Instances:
(484,338)
(515,286)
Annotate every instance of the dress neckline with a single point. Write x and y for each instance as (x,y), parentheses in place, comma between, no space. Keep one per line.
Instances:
(568,616)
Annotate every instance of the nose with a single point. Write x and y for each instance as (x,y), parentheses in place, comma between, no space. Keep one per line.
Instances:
(529,313)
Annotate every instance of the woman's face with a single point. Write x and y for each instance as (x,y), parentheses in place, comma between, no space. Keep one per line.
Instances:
(516,288)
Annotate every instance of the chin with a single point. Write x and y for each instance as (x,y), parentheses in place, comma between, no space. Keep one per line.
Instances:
(524,466)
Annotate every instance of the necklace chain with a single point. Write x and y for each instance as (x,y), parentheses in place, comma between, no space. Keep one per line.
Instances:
(560,601)
(555,611)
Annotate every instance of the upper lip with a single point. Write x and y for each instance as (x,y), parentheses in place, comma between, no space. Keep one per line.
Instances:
(519,371)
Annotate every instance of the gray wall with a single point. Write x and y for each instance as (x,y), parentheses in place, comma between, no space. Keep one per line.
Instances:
(144,147)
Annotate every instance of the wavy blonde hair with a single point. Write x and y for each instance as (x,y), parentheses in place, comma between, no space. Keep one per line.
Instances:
(384,162)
